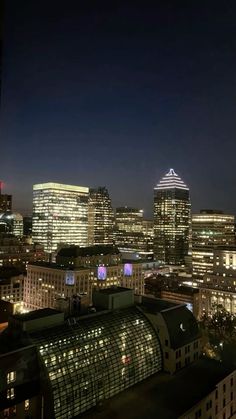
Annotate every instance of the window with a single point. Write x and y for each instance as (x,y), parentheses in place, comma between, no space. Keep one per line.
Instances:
(10,393)
(198,413)
(209,405)
(223,402)
(216,394)
(27,404)
(166,342)
(11,377)
(224,388)
(178,365)
(166,355)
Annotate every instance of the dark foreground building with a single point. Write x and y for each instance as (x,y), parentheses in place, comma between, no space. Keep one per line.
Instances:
(56,368)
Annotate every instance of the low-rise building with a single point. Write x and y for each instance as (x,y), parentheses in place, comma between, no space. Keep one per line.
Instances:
(180,340)
(46,283)
(11,285)
(56,368)
(18,253)
(219,288)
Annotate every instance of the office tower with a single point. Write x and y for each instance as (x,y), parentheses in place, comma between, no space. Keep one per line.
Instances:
(129,219)
(60,215)
(129,228)
(5,201)
(148,232)
(27,225)
(100,217)
(210,229)
(11,222)
(172,219)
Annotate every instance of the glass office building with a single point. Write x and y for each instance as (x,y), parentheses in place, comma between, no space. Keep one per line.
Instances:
(94,358)
(172,218)
(100,217)
(60,215)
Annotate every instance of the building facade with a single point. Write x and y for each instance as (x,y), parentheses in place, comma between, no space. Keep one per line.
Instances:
(5,200)
(47,283)
(60,215)
(100,217)
(12,222)
(11,285)
(172,220)
(18,253)
(129,229)
(210,229)
(219,287)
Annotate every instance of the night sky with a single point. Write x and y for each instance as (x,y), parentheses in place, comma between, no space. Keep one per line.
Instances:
(116,95)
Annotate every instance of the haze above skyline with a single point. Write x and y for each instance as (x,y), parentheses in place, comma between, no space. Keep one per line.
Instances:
(116,95)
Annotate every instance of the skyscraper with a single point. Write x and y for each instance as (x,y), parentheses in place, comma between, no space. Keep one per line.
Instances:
(129,229)
(100,217)
(5,201)
(60,215)
(171,219)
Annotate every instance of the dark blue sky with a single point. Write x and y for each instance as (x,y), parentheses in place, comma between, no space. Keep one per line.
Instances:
(115,95)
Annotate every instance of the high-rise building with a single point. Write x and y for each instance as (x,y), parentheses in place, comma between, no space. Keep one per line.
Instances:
(129,219)
(148,232)
(210,229)
(129,228)
(60,215)
(100,217)
(172,219)
(11,222)
(5,201)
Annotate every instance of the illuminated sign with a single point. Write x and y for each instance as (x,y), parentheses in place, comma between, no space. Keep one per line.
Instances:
(128,269)
(70,278)
(102,273)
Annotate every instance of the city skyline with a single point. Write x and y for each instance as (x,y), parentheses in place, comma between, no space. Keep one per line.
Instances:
(116,95)
(148,211)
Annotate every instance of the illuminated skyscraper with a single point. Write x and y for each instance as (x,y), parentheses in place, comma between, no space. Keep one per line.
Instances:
(100,217)
(60,215)
(171,219)
(129,229)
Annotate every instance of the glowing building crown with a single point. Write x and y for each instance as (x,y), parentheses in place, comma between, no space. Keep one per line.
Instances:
(171,180)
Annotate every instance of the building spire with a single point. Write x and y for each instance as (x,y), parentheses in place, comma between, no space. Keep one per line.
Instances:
(171,180)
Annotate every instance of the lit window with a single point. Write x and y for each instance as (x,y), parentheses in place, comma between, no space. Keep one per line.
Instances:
(27,404)
(10,393)
(11,377)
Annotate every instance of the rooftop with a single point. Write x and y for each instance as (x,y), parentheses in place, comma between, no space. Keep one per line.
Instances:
(52,265)
(76,251)
(156,305)
(60,186)
(171,180)
(163,395)
(37,314)
(113,290)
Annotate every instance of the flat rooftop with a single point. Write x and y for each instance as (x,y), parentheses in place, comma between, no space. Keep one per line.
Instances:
(163,395)
(115,290)
(53,265)
(156,305)
(37,314)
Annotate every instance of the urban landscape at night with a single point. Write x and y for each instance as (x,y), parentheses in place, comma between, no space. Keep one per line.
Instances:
(117,210)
